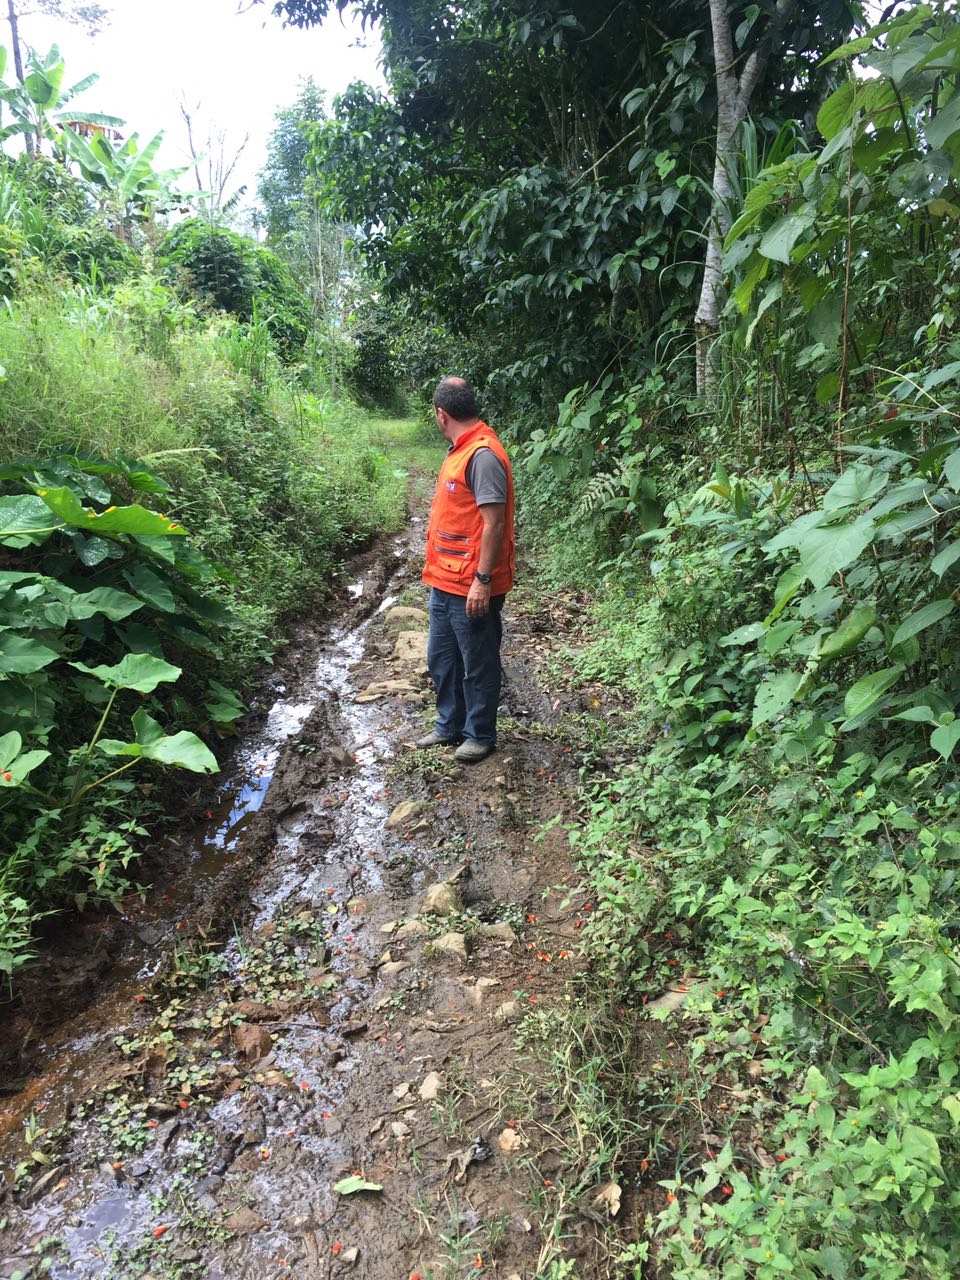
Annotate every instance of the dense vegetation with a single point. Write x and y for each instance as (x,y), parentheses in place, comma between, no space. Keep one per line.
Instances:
(176,481)
(764,511)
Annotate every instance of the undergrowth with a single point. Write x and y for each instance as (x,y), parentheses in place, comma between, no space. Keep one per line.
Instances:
(787,826)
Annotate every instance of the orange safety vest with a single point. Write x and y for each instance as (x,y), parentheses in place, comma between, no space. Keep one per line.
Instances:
(456,525)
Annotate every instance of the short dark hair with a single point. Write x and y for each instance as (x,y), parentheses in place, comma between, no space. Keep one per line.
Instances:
(456,397)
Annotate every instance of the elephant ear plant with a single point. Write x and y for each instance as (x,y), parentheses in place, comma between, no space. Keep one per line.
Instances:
(102,604)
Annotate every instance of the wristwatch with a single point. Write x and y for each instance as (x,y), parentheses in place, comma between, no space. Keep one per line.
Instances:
(485,578)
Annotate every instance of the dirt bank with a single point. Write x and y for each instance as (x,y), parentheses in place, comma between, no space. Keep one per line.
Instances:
(323,994)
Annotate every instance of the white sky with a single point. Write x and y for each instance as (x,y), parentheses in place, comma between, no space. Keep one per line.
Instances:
(240,66)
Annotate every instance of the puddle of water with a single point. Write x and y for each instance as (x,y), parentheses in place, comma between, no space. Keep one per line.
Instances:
(70,1060)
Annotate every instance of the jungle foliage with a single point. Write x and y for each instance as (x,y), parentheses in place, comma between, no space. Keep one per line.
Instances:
(177,481)
(774,565)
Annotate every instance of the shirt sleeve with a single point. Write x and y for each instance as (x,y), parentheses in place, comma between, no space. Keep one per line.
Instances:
(487,478)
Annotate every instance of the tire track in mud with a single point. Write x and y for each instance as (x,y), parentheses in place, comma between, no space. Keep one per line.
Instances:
(291,1016)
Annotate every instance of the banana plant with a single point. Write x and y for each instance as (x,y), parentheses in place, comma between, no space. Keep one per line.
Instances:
(123,173)
(40,106)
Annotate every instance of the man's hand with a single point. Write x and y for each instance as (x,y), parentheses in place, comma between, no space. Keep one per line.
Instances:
(478,600)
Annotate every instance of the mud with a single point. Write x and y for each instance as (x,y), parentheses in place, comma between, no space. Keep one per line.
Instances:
(281,1015)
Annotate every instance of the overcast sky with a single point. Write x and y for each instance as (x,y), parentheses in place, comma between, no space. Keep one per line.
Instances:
(240,66)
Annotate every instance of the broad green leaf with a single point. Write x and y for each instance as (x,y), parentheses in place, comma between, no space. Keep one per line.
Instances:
(136,520)
(141,672)
(921,619)
(779,239)
(867,694)
(852,49)
(917,715)
(944,124)
(944,739)
(942,561)
(774,696)
(849,633)
(21,766)
(148,584)
(837,111)
(25,519)
(790,583)
(106,600)
(10,744)
(826,550)
(347,1186)
(19,655)
(951,469)
(920,1145)
(744,635)
(224,707)
(858,484)
(183,750)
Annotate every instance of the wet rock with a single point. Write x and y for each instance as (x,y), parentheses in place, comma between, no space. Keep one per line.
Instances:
(206,1202)
(186,1254)
(441,899)
(349,1256)
(384,689)
(332,1127)
(411,648)
(245,1221)
(509,1011)
(166,1133)
(252,1041)
(432,1087)
(413,929)
(402,1091)
(400,1130)
(43,1184)
(405,616)
(340,756)
(453,945)
(394,967)
(405,812)
(499,932)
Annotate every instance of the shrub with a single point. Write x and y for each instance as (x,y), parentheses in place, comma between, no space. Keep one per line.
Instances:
(233,274)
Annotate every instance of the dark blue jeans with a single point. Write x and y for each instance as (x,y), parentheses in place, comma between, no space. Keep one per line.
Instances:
(463,655)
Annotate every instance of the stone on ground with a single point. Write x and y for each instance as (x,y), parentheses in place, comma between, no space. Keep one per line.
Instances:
(405,812)
(411,647)
(402,615)
(453,945)
(441,899)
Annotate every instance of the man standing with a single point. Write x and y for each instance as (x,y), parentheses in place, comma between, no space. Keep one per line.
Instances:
(469,568)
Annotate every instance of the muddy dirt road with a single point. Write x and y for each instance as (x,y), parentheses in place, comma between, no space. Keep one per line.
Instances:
(301,1057)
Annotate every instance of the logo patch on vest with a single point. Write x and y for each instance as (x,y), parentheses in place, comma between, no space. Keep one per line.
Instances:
(451,485)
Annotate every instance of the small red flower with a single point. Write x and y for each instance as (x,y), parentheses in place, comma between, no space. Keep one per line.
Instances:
(670,1197)
(8,777)
(159,1231)
(153,1124)
(727,1189)
(336,1247)
(183,1104)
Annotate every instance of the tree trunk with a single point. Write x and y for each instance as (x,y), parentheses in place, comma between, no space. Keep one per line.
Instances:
(12,18)
(733,102)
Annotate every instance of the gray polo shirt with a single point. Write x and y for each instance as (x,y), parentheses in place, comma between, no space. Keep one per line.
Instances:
(487,478)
